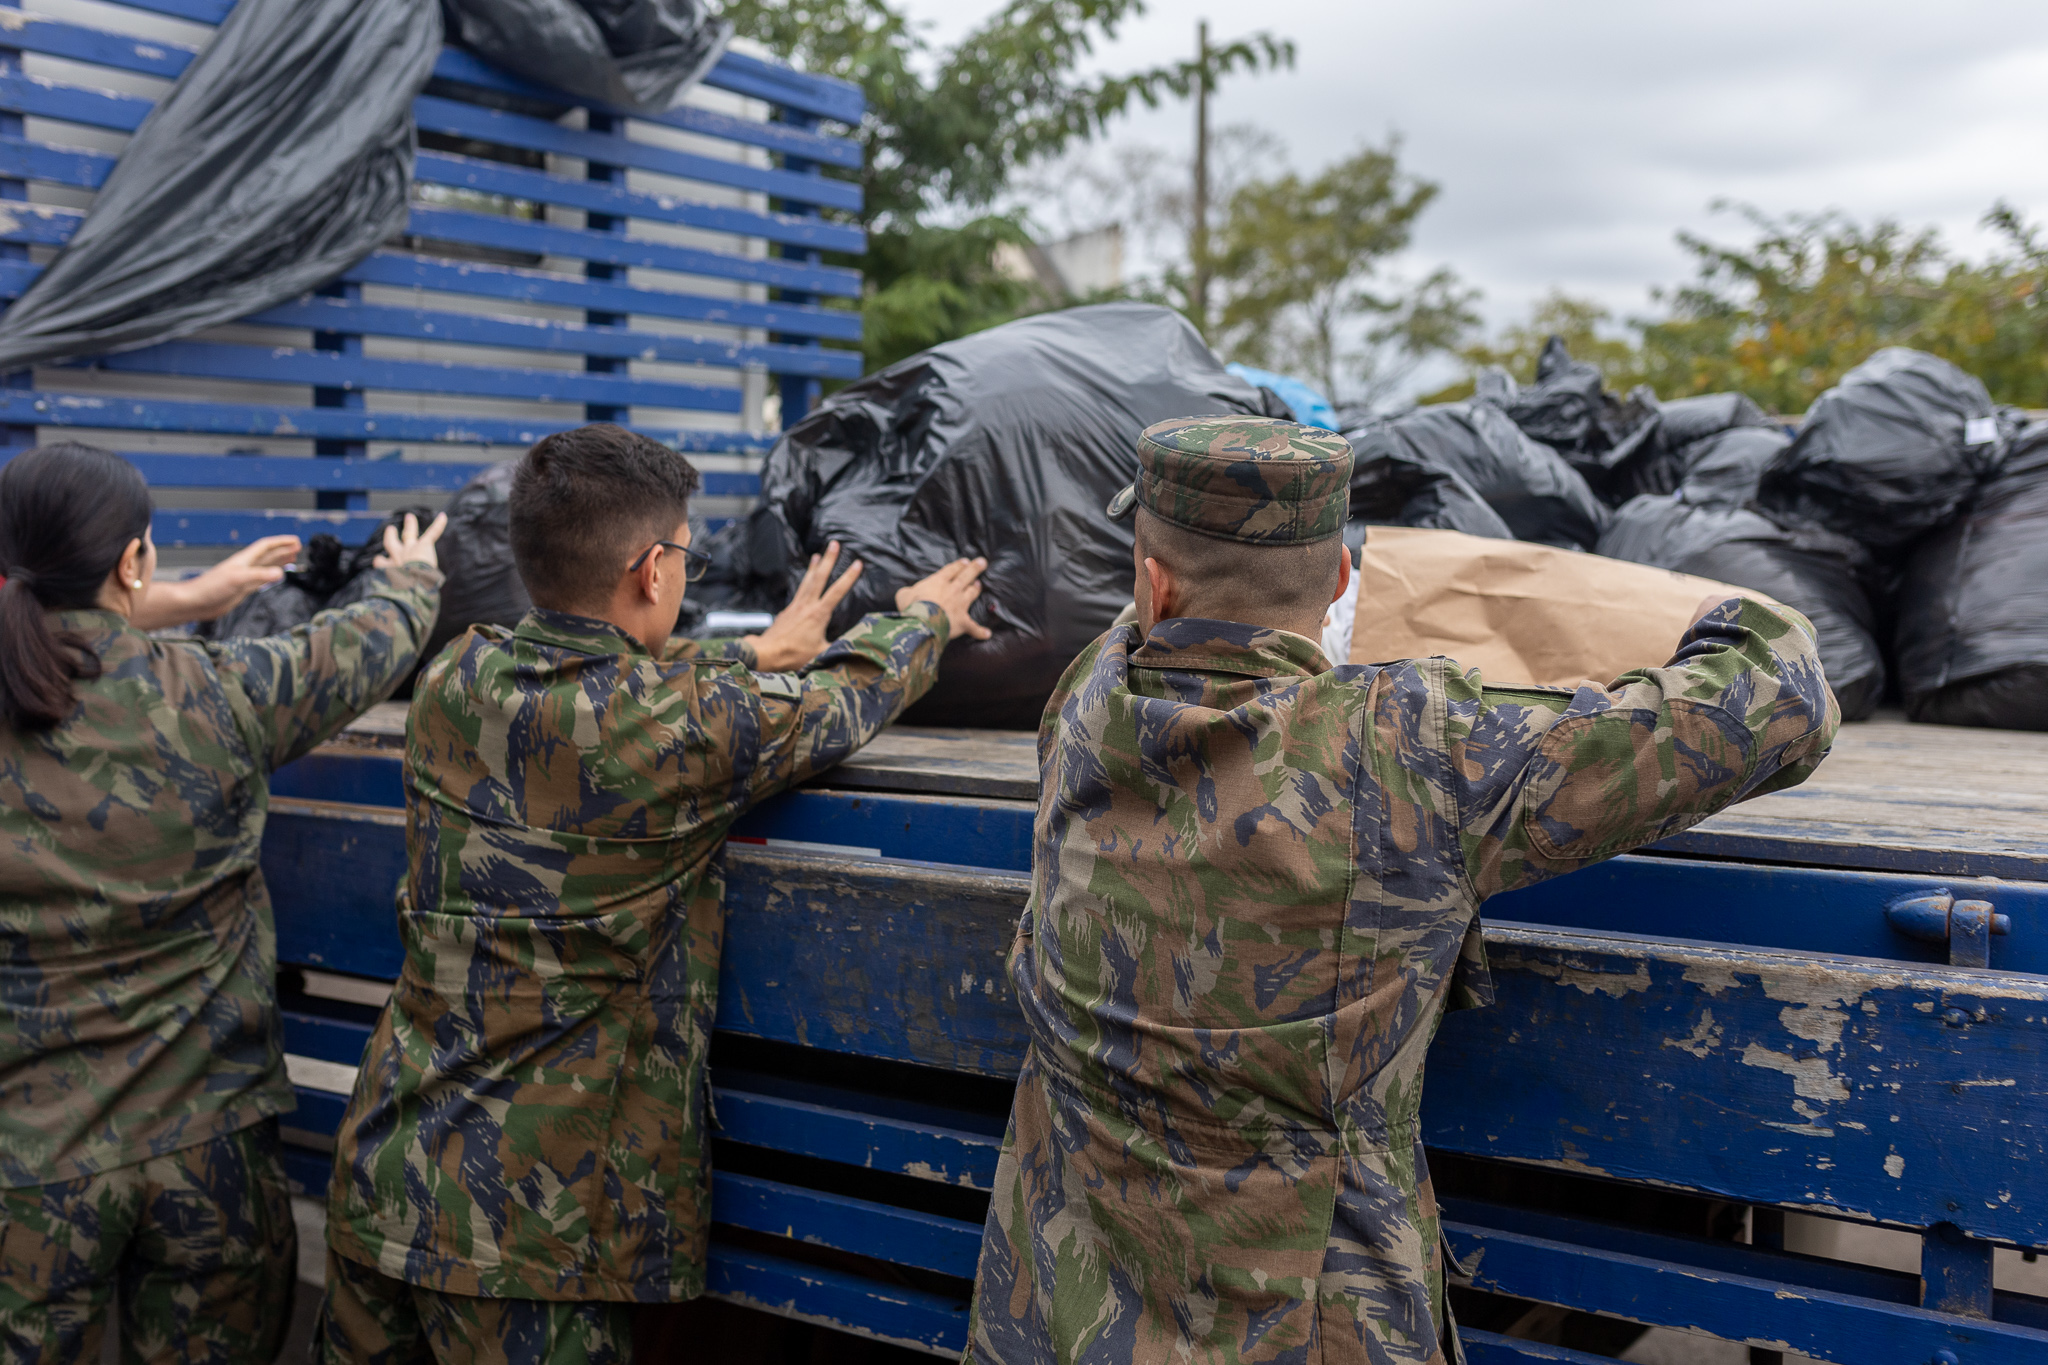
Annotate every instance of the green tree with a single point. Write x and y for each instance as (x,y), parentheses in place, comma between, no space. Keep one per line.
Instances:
(946,129)
(1301,263)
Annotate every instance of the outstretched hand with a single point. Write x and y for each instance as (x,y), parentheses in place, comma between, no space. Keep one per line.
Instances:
(955,589)
(797,635)
(411,545)
(213,594)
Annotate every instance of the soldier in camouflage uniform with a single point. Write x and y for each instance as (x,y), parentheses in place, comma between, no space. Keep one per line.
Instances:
(524,1156)
(1255,890)
(140,1066)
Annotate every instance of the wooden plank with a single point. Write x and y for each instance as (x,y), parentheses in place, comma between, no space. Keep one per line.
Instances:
(1491,1348)
(845,1132)
(944,1246)
(1762,1313)
(1900,797)
(894,1314)
(915,758)
(1873,1090)
(48,408)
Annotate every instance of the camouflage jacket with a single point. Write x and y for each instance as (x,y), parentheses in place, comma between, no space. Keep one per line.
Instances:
(528,1121)
(139,1008)
(1255,887)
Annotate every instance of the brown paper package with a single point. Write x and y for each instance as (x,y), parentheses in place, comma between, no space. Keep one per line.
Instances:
(1519,613)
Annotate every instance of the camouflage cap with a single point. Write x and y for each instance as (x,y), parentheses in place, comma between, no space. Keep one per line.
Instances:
(1254,479)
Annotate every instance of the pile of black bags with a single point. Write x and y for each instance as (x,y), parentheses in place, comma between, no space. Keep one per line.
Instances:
(1908,518)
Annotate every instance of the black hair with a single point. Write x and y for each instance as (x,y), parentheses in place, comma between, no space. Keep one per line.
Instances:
(1235,580)
(584,502)
(67,513)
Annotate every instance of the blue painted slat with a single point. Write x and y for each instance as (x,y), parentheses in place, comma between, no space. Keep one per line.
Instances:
(826,96)
(177,527)
(307,1034)
(534,286)
(285,365)
(350,315)
(843,1132)
(84,169)
(944,1246)
(550,239)
(520,130)
(465,68)
(1804,908)
(352,777)
(352,474)
(38,224)
(851,1303)
(1490,1348)
(319,1111)
(335,879)
(601,196)
(1831,1327)
(99,47)
(968,832)
(41,97)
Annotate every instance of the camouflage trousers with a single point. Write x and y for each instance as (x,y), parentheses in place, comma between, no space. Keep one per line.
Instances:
(370,1318)
(199,1246)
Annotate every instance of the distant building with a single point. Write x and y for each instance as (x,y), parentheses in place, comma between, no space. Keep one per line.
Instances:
(1070,269)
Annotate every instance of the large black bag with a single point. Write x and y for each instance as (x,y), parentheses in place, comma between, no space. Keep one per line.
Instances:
(482,586)
(1569,409)
(1972,639)
(1008,443)
(631,54)
(1808,569)
(1890,453)
(282,157)
(1527,484)
(1681,434)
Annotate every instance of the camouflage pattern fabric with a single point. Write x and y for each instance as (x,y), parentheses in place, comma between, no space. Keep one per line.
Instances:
(200,1245)
(1256,882)
(138,1005)
(1255,479)
(528,1121)
(369,1318)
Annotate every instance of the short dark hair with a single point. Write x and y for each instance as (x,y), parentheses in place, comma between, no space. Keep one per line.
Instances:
(67,514)
(1233,580)
(584,502)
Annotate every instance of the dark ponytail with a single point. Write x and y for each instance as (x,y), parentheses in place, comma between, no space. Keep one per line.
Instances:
(67,511)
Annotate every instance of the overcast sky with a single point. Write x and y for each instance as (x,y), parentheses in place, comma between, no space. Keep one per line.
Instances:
(1571,140)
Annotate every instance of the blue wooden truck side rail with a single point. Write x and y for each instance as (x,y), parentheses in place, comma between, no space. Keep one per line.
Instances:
(562,264)
(867,1035)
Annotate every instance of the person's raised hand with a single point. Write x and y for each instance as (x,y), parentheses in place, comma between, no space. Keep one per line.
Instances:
(410,545)
(797,635)
(954,588)
(213,594)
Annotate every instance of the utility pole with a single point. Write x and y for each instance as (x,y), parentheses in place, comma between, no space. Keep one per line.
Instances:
(1198,240)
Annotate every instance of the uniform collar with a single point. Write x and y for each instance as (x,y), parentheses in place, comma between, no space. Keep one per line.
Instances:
(582,634)
(1192,644)
(91,623)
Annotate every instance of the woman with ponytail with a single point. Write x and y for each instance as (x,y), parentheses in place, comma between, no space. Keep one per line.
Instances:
(140,1067)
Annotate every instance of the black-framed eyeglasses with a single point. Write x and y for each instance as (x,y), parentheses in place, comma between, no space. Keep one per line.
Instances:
(696,561)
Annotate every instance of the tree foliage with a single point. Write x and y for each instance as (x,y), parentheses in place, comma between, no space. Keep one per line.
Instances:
(1302,257)
(946,129)
(1786,315)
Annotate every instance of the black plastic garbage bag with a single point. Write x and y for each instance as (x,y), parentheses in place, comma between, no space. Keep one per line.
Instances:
(1569,409)
(482,586)
(1810,569)
(1723,470)
(1008,443)
(1972,633)
(1527,485)
(632,54)
(282,157)
(1390,487)
(1890,453)
(1675,440)
(326,575)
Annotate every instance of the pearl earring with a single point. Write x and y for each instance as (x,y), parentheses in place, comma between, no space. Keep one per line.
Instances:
(138,585)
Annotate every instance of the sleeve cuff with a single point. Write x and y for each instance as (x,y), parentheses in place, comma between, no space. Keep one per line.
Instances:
(934,618)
